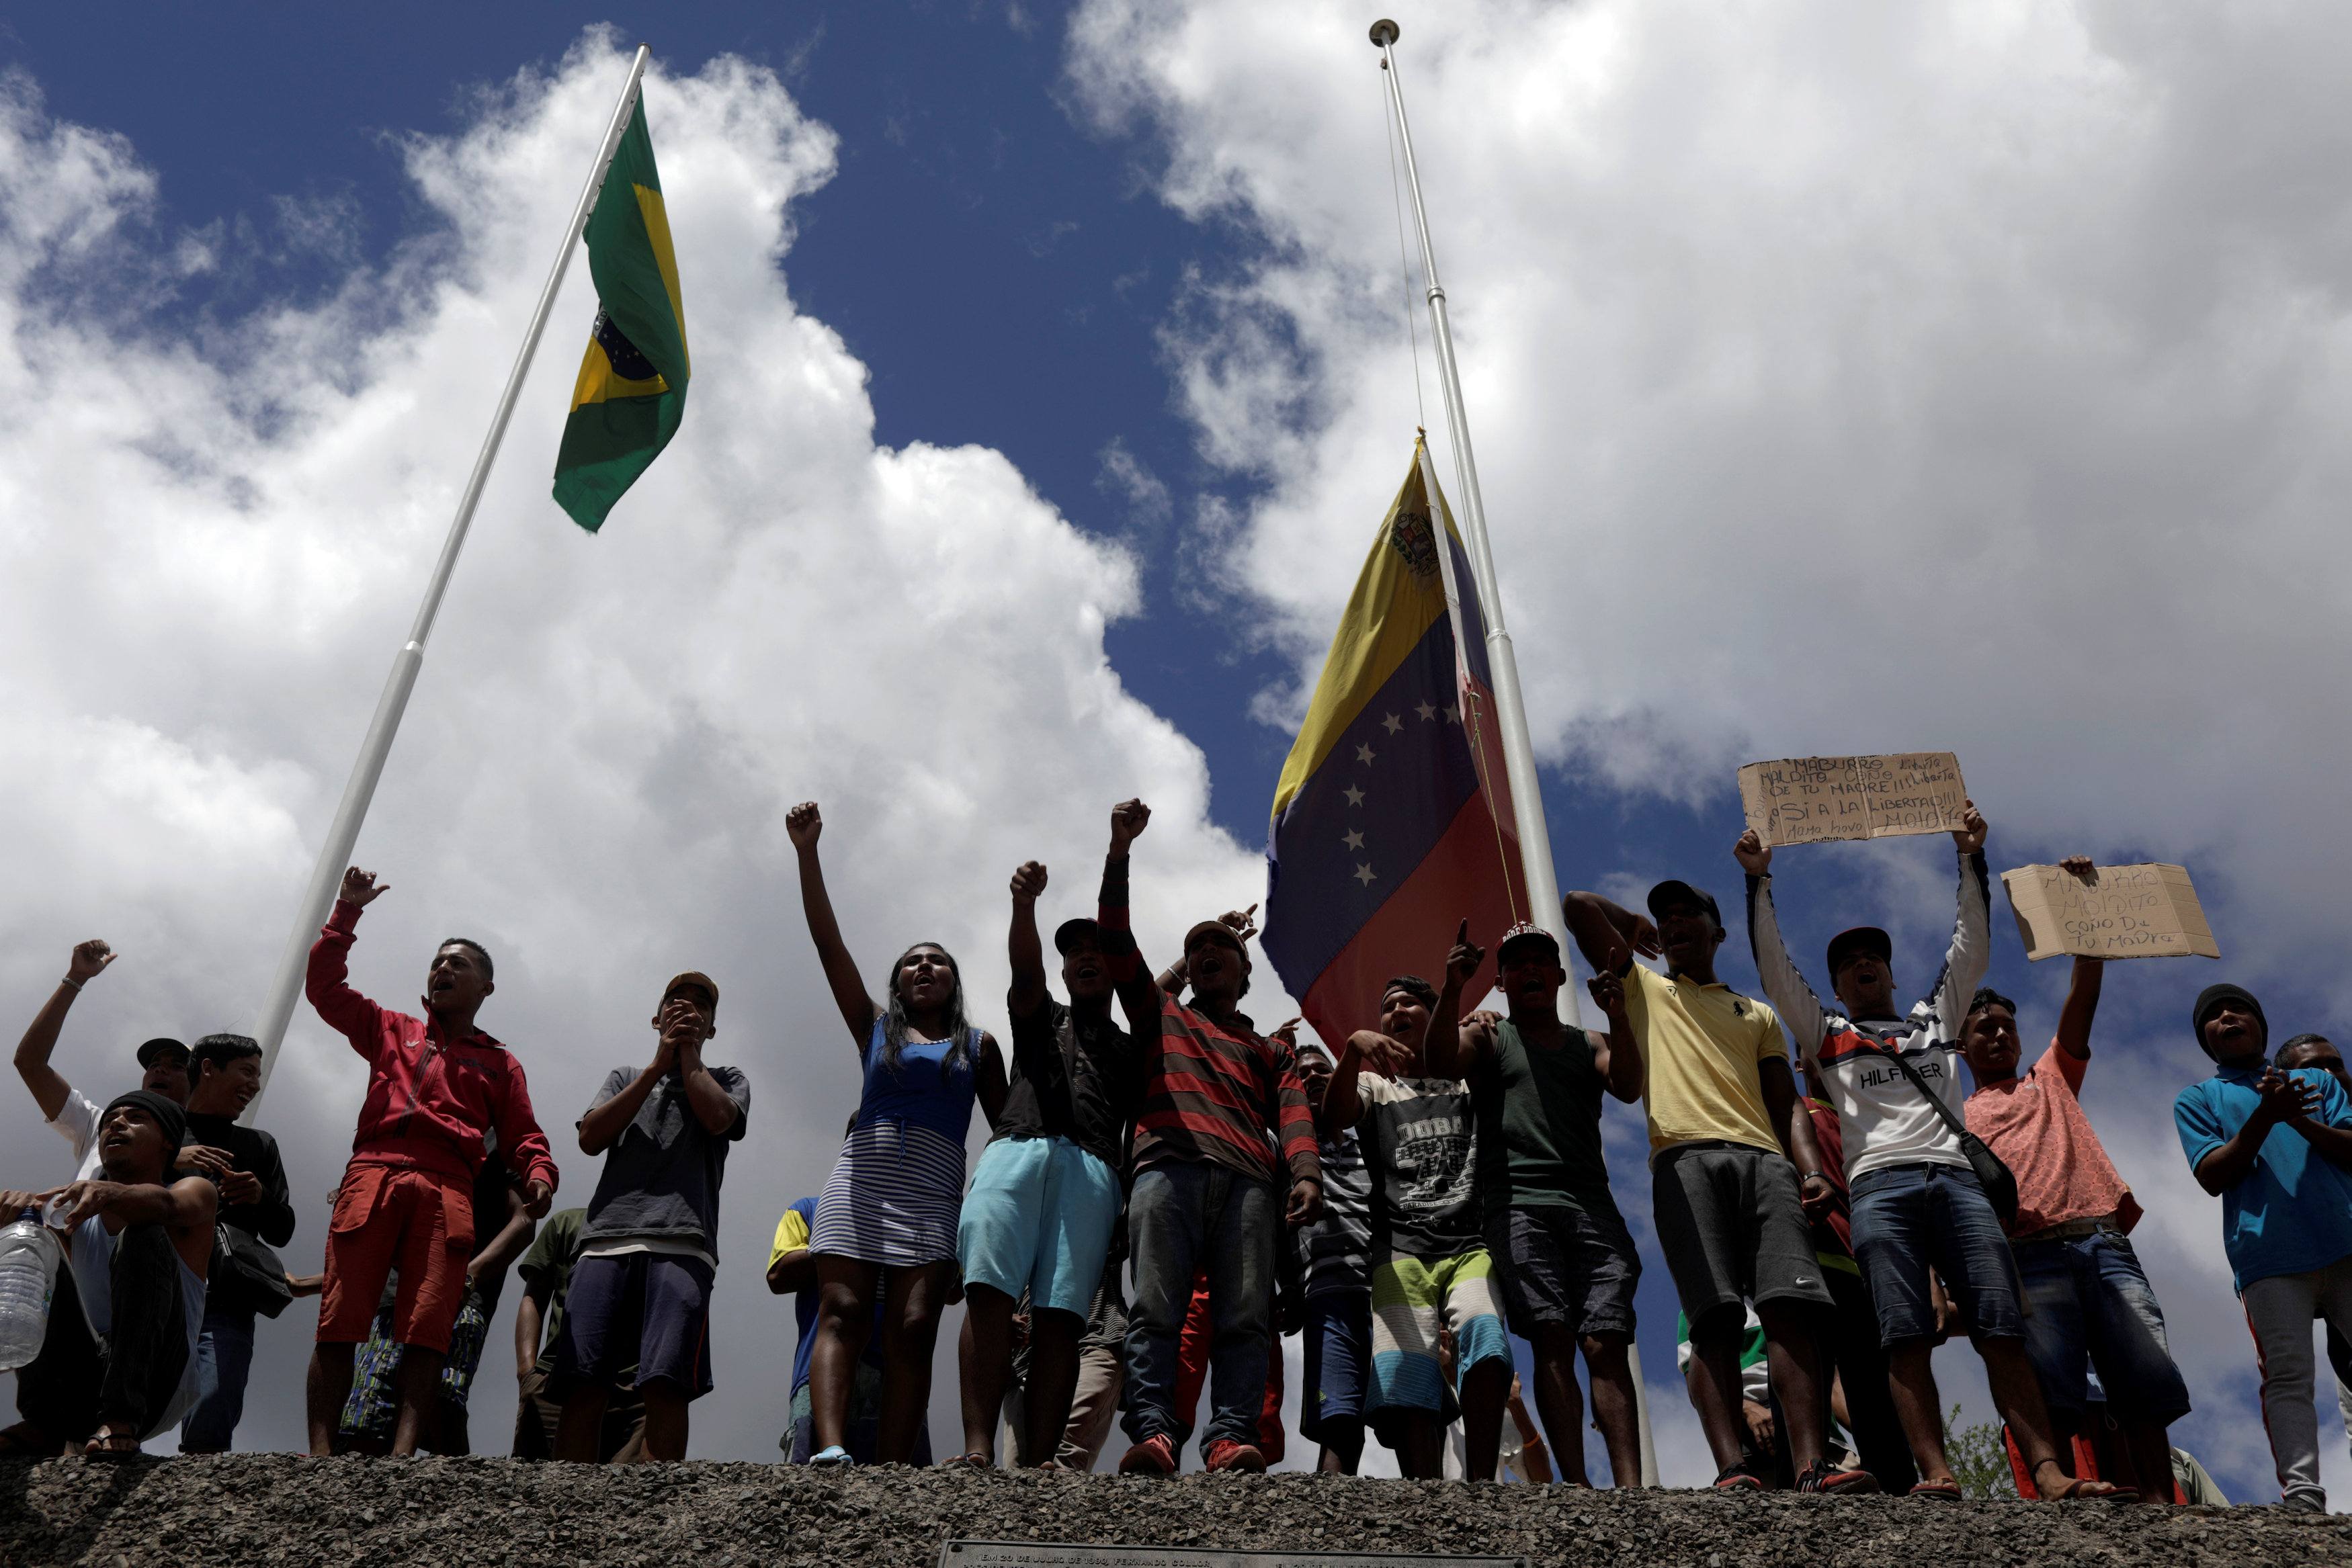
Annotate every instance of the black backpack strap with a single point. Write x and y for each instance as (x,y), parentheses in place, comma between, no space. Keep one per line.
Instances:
(1957,1127)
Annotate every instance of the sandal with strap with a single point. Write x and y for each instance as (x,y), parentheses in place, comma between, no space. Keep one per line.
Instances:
(2073,1490)
(974,1461)
(1944,1490)
(113,1446)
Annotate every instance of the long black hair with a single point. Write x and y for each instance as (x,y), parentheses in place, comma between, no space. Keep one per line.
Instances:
(894,1021)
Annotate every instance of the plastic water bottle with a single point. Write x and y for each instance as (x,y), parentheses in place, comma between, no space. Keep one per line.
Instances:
(28,1272)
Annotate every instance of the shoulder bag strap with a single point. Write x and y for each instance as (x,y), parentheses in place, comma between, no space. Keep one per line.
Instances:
(1959,1128)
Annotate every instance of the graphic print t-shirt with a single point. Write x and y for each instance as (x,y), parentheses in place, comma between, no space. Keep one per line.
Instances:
(1420,1141)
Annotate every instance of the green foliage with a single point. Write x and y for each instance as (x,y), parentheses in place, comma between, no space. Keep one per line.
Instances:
(1980,1460)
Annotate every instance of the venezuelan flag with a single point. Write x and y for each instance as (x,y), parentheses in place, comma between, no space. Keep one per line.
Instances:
(631,389)
(1392,821)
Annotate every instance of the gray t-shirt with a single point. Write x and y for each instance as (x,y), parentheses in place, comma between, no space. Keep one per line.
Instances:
(661,1177)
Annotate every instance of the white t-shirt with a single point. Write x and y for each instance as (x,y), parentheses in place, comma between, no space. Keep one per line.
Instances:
(669,1246)
(1884,1117)
(77,1122)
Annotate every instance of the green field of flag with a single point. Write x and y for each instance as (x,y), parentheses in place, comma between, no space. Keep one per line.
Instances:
(631,389)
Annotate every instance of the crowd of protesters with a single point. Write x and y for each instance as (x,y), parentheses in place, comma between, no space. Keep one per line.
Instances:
(1167,1191)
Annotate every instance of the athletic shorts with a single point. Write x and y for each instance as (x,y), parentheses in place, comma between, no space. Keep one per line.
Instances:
(1339,1360)
(1732,1228)
(1567,1266)
(1039,1219)
(646,1310)
(1412,1297)
(389,1216)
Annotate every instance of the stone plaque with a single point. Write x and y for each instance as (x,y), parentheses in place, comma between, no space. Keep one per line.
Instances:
(1056,1554)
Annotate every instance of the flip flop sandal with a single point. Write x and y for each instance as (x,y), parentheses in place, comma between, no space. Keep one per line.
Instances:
(835,1458)
(975,1460)
(113,1446)
(2073,1493)
(1944,1491)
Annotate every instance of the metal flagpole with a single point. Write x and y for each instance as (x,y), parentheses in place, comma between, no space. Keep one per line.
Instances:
(1510,708)
(343,834)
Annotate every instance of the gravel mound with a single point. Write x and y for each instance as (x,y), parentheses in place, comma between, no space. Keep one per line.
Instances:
(446,1513)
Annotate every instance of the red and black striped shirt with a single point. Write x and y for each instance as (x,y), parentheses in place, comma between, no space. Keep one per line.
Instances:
(1211,1091)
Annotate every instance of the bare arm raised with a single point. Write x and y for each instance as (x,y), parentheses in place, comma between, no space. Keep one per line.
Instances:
(2083,991)
(803,823)
(48,1086)
(1604,930)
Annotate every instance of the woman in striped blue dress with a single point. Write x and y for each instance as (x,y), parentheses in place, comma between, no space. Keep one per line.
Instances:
(886,1223)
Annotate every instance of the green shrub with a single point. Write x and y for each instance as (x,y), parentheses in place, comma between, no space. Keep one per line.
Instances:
(1979,1458)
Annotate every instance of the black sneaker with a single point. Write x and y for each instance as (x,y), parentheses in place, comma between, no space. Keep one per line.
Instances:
(1738,1478)
(1828,1482)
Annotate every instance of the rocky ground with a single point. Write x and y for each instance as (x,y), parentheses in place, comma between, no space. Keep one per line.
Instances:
(258,1508)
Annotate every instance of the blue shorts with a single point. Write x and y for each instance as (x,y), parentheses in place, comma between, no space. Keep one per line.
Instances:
(1907,1218)
(646,1310)
(2091,1298)
(1039,1219)
(1338,1354)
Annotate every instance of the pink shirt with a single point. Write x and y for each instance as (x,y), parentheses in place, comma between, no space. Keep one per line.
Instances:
(2036,1125)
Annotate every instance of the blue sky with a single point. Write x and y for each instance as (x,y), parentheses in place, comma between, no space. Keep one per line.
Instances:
(1812,422)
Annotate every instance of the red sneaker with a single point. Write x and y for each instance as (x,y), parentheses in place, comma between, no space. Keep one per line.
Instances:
(1224,1454)
(1738,1478)
(1827,1482)
(1151,1457)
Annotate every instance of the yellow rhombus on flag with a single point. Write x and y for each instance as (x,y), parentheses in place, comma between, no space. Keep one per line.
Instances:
(631,389)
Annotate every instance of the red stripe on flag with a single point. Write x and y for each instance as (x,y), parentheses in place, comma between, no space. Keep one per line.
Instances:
(1462,874)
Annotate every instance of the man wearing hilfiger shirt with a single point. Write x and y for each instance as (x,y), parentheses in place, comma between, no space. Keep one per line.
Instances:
(1917,1202)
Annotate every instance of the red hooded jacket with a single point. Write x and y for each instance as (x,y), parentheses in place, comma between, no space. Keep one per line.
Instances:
(429,1099)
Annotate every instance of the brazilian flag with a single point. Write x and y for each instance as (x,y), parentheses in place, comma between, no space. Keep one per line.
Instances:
(631,389)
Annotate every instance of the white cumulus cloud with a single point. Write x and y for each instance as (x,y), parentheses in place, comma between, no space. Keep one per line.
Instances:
(1845,379)
(209,552)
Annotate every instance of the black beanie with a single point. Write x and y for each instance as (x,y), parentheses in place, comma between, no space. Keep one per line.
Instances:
(170,1117)
(2213,996)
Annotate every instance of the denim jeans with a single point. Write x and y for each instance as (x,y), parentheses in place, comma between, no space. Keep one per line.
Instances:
(2090,1297)
(1188,1217)
(223,1357)
(1907,1218)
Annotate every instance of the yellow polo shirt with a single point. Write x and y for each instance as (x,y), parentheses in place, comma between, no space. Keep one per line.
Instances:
(1700,1050)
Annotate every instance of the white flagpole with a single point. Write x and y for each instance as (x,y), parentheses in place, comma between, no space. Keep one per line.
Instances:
(1510,708)
(342,835)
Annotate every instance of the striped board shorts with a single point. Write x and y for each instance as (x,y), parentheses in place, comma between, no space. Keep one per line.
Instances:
(1413,1299)
(894,1197)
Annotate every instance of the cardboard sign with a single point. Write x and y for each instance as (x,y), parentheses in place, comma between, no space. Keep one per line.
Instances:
(2146,911)
(1811,799)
